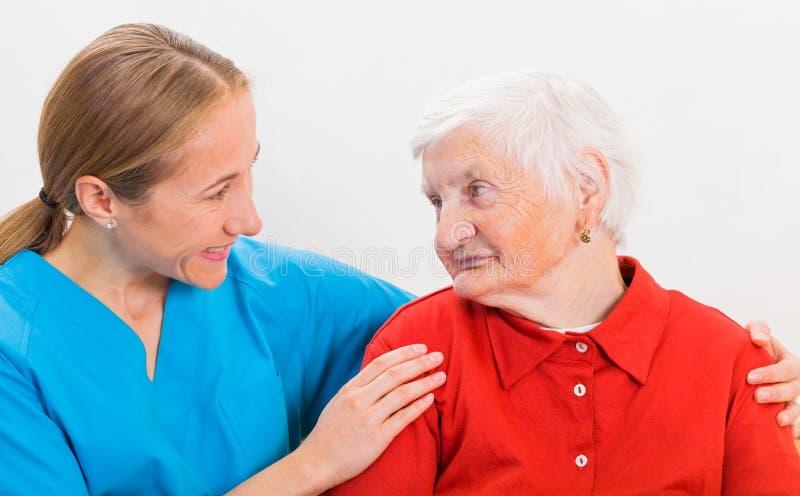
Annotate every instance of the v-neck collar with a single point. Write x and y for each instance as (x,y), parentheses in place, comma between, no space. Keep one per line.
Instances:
(181,327)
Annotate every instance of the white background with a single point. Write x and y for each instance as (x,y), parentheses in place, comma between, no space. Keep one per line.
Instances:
(709,89)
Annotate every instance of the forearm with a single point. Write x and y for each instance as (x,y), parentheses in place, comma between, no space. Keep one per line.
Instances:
(293,475)
(356,426)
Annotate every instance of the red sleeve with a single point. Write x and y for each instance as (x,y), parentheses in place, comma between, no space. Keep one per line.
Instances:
(760,457)
(408,467)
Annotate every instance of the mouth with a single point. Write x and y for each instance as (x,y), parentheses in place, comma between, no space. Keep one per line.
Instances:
(469,263)
(216,253)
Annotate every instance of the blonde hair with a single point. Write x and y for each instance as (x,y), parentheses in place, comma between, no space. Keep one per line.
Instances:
(120,106)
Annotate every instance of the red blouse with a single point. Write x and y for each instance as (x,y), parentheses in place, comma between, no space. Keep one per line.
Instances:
(651,401)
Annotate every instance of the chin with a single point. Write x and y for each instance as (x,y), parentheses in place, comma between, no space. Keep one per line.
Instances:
(208,281)
(474,285)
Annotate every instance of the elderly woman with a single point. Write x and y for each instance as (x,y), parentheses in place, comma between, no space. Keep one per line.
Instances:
(145,348)
(570,370)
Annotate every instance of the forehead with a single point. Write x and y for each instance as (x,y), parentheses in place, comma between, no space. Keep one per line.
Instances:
(222,141)
(462,155)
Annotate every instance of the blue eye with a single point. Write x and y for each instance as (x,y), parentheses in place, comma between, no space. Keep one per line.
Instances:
(436,202)
(221,194)
(478,189)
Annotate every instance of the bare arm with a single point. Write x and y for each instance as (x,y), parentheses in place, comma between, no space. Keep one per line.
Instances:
(355,427)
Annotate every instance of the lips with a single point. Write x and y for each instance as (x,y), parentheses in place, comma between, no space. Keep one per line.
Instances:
(216,253)
(466,263)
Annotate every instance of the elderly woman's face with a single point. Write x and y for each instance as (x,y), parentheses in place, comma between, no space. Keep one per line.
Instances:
(185,229)
(496,230)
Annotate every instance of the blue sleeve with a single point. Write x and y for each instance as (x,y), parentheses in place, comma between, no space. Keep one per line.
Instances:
(350,307)
(36,457)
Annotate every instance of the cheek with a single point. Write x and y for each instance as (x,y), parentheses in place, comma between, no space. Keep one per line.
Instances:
(533,243)
(516,233)
(172,238)
(185,226)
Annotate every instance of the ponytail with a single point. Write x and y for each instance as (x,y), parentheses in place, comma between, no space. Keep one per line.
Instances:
(33,226)
(121,105)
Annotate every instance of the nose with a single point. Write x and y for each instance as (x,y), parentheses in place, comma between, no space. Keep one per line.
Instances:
(452,230)
(244,219)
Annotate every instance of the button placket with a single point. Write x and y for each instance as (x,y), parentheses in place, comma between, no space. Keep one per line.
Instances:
(579,357)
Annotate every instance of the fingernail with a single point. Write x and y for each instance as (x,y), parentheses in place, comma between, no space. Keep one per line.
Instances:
(753,377)
(762,395)
(761,336)
(419,348)
(783,419)
(436,357)
(439,376)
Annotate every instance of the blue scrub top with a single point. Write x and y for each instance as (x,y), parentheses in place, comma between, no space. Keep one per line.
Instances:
(242,374)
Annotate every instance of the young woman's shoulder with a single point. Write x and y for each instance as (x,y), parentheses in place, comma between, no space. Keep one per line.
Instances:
(17,308)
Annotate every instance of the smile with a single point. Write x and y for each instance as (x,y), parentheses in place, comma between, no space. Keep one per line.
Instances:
(216,253)
(468,263)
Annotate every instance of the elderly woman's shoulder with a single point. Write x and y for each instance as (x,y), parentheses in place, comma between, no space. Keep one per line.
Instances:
(702,322)
(442,310)
(443,301)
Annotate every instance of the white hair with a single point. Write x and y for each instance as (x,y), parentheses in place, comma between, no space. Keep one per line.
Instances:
(541,121)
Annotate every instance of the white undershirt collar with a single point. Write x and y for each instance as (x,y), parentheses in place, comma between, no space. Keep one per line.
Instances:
(585,328)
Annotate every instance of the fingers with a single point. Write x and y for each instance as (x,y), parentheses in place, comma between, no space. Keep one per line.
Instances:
(386,361)
(779,393)
(787,369)
(789,415)
(796,429)
(400,374)
(405,416)
(759,332)
(407,393)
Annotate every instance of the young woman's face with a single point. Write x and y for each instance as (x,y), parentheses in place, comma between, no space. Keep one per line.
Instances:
(190,220)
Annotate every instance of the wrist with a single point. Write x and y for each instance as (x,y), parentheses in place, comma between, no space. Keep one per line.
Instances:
(313,471)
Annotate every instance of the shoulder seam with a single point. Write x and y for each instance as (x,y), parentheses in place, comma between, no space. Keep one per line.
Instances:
(22,347)
(267,304)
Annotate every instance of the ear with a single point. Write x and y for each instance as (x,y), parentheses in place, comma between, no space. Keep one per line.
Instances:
(96,199)
(593,183)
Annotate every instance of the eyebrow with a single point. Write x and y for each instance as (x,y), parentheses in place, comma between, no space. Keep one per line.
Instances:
(233,175)
(468,174)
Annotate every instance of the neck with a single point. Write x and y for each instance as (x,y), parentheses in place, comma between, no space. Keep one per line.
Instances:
(89,256)
(581,290)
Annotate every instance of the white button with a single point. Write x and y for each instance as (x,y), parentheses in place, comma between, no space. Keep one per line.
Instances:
(581,461)
(581,347)
(579,390)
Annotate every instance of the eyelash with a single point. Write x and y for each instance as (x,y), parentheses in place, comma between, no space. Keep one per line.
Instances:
(220,195)
(437,202)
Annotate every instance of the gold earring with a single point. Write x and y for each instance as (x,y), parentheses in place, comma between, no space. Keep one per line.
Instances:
(585,237)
